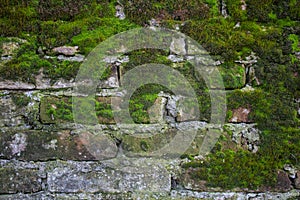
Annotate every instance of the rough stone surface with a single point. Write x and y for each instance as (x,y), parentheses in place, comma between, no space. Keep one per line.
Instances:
(174,195)
(187,109)
(9,48)
(92,178)
(66,50)
(44,145)
(157,111)
(75,58)
(175,58)
(178,46)
(120,12)
(245,135)
(46,154)
(22,180)
(283,181)
(15,85)
(297,181)
(291,170)
(10,114)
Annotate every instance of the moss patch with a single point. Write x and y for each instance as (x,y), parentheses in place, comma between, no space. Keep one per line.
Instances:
(59,110)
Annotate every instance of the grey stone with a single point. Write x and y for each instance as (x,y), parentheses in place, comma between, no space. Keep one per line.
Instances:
(111,82)
(245,135)
(157,110)
(172,106)
(195,49)
(187,109)
(175,58)
(224,9)
(19,180)
(297,180)
(120,12)
(116,59)
(251,134)
(66,50)
(15,85)
(69,178)
(191,125)
(10,115)
(18,144)
(8,48)
(291,170)
(6,58)
(75,58)
(153,22)
(178,46)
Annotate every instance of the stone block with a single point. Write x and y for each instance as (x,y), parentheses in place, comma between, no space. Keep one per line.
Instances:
(74,177)
(44,145)
(19,180)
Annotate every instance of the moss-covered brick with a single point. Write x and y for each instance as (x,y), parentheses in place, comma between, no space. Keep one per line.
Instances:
(59,110)
(139,144)
(269,111)
(19,180)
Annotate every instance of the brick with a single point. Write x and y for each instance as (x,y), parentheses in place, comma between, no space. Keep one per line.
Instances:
(19,180)
(45,145)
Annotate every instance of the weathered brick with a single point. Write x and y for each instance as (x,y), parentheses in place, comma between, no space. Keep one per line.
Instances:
(44,145)
(74,177)
(19,180)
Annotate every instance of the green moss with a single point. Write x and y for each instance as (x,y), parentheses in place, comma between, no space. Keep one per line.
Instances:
(141,12)
(59,110)
(229,169)
(235,11)
(27,63)
(269,111)
(17,17)
(142,99)
(233,75)
(294,8)
(95,30)
(295,42)
(86,33)
(63,69)
(214,7)
(24,65)
(144,145)
(258,10)
(219,37)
